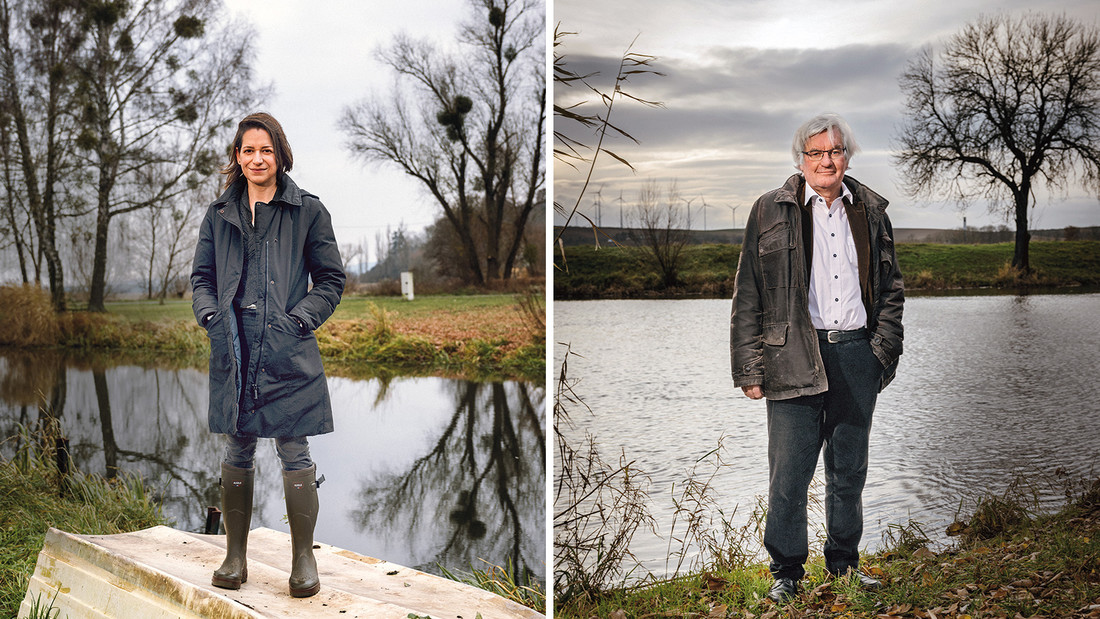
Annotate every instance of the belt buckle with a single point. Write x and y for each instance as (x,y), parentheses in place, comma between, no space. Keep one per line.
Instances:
(830,335)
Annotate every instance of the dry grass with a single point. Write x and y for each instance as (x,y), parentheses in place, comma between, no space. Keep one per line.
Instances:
(29,319)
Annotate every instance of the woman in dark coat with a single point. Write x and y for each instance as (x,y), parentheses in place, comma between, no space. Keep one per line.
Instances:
(259,246)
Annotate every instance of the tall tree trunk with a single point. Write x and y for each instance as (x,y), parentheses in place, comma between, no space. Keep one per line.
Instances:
(44,225)
(1020,257)
(492,246)
(9,212)
(98,293)
(107,168)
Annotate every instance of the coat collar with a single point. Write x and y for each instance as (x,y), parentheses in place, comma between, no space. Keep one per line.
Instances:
(792,190)
(287,192)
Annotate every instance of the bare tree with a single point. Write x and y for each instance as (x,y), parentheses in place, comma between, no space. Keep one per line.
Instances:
(1008,103)
(37,42)
(166,233)
(16,218)
(468,126)
(660,230)
(156,89)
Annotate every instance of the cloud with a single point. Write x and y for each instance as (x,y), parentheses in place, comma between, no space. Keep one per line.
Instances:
(724,131)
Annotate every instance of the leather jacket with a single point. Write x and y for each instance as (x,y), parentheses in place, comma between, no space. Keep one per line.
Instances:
(773,342)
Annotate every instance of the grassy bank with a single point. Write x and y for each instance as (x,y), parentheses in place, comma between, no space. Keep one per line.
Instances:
(708,270)
(36,497)
(1008,563)
(478,337)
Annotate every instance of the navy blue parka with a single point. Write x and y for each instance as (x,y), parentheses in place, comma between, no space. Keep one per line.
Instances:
(292,396)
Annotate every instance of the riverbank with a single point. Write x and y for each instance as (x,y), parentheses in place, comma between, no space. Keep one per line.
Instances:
(618,272)
(1008,562)
(470,336)
(36,496)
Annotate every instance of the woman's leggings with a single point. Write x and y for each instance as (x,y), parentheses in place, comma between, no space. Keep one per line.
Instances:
(240,451)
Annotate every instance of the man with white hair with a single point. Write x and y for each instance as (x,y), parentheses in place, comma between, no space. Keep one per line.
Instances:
(816,329)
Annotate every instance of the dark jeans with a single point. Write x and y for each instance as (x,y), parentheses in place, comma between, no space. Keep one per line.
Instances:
(839,419)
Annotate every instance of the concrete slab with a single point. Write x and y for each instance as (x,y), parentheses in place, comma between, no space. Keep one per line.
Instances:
(162,572)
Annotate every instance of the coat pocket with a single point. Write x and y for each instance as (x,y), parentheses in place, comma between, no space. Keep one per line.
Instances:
(775,335)
(774,249)
(292,354)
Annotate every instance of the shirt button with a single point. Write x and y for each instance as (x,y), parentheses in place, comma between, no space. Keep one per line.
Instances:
(834,277)
(833,234)
(834,256)
(837,300)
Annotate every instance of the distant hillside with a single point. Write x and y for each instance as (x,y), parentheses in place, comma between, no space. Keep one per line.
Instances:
(586,236)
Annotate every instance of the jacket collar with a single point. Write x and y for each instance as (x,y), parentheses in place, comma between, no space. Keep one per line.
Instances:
(792,190)
(286,192)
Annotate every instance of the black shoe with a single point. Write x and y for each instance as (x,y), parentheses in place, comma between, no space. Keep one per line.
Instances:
(783,589)
(867,583)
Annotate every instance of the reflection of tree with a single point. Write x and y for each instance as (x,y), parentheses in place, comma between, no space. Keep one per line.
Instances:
(482,481)
(103,398)
(166,455)
(34,379)
(137,419)
(29,376)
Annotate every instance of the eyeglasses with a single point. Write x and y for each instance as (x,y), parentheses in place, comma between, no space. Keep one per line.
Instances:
(816,155)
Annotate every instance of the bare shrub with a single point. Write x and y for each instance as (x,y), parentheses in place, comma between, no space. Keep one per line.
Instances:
(597,507)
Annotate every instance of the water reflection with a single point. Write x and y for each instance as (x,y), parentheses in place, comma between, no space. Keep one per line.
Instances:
(493,439)
(425,472)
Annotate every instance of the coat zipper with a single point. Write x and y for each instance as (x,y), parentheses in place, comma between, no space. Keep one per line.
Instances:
(266,324)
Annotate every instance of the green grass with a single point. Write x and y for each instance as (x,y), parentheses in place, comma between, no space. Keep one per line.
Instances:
(709,270)
(502,581)
(35,497)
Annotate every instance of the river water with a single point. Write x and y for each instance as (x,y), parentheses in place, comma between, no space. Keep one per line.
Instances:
(989,388)
(424,472)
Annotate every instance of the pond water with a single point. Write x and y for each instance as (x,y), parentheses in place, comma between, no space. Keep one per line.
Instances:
(989,388)
(424,472)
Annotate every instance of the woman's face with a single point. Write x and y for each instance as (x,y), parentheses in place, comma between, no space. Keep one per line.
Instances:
(256,156)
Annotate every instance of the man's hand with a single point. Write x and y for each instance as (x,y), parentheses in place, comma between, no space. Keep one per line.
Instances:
(754,392)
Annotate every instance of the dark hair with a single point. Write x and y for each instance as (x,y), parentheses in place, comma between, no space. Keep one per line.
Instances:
(284,159)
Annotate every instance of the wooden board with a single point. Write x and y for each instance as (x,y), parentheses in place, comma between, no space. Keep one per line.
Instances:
(162,572)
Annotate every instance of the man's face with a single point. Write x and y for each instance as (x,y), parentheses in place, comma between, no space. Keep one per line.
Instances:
(826,174)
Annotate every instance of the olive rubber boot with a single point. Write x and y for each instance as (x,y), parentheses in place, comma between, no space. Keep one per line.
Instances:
(300,488)
(236,486)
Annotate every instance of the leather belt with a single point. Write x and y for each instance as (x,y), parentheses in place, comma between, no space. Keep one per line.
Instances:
(833,336)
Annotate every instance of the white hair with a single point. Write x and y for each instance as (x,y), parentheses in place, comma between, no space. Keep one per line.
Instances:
(827,122)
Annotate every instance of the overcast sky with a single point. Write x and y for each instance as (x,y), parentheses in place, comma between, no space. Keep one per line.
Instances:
(741,75)
(320,58)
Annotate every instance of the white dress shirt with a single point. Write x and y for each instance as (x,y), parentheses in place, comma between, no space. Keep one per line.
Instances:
(835,299)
